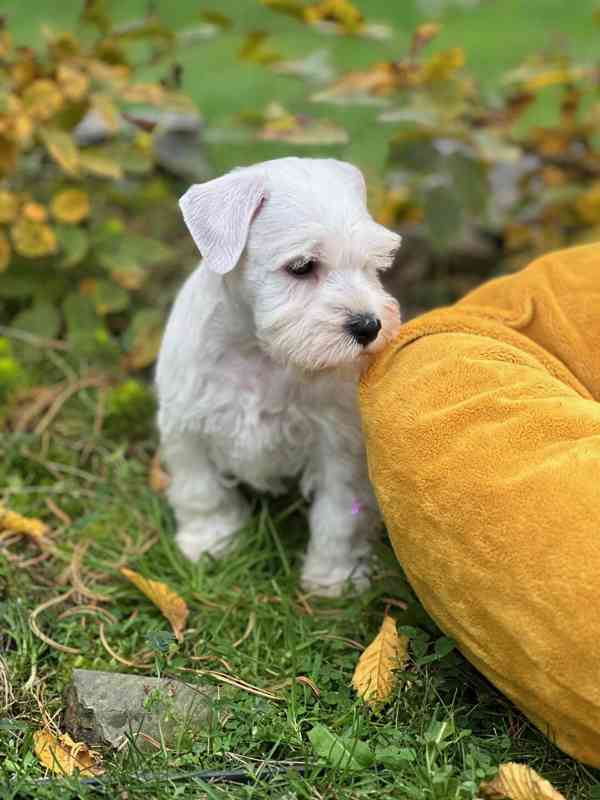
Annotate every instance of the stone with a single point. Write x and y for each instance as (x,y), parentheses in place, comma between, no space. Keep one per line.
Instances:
(105,708)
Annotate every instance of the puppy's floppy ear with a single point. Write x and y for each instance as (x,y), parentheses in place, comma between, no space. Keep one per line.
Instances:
(218,214)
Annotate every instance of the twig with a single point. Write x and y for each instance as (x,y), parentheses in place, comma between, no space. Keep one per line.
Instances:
(248,631)
(116,656)
(39,633)
(93,381)
(32,339)
(238,683)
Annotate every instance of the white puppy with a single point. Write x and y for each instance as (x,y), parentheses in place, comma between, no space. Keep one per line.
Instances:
(260,359)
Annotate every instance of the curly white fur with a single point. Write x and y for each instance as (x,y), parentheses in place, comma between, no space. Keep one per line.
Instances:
(257,371)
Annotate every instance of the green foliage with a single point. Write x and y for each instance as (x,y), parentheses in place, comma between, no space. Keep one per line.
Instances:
(129,409)
(89,182)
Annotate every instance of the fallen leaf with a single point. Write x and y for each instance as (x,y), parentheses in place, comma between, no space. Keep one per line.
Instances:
(71,205)
(42,99)
(374,678)
(170,604)
(158,478)
(73,82)
(33,239)
(519,782)
(62,147)
(9,206)
(16,523)
(63,756)
(35,212)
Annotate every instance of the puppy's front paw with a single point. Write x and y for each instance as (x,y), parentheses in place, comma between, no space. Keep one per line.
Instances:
(336,581)
(211,534)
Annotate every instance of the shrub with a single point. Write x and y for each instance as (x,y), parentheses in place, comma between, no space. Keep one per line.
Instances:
(91,158)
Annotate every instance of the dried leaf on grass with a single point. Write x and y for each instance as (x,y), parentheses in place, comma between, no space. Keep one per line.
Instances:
(519,782)
(158,479)
(170,604)
(12,522)
(374,677)
(63,756)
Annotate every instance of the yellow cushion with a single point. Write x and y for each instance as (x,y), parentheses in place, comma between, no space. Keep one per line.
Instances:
(482,426)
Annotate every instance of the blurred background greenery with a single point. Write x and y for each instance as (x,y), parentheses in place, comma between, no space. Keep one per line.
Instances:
(496,35)
(476,123)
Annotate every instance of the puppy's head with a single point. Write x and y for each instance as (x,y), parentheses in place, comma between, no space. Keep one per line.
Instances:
(295,241)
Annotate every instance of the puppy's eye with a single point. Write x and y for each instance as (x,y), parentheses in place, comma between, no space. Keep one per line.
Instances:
(302,267)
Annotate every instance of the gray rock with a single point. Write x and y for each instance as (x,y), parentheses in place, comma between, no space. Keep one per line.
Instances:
(104,708)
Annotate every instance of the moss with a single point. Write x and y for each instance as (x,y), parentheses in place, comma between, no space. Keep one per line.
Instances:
(130,409)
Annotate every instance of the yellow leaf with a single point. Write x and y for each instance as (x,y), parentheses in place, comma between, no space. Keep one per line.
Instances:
(158,479)
(588,205)
(553,77)
(5,43)
(374,678)
(24,68)
(16,523)
(73,82)
(5,252)
(150,93)
(33,239)
(341,12)
(42,99)
(423,35)
(100,165)
(35,212)
(63,756)
(62,148)
(519,782)
(441,66)
(115,75)
(9,205)
(103,105)
(71,205)
(170,604)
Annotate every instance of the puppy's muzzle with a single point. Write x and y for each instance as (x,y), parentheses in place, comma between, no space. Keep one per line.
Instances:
(364,328)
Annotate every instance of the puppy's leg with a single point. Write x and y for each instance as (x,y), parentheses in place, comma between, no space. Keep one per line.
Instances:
(343,522)
(208,513)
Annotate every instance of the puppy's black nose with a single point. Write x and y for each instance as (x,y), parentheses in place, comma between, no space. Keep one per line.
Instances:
(363,328)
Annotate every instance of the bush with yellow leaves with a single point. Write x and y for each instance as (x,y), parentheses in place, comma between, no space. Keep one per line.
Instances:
(86,169)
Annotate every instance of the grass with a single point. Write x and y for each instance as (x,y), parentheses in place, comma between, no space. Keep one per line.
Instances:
(445,730)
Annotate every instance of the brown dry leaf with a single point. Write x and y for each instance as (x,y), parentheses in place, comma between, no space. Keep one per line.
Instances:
(423,35)
(8,155)
(519,782)
(170,604)
(42,99)
(33,239)
(70,205)
(9,205)
(62,148)
(5,252)
(63,756)
(374,678)
(16,523)
(158,479)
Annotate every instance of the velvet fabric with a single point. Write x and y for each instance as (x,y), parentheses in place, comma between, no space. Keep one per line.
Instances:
(482,427)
